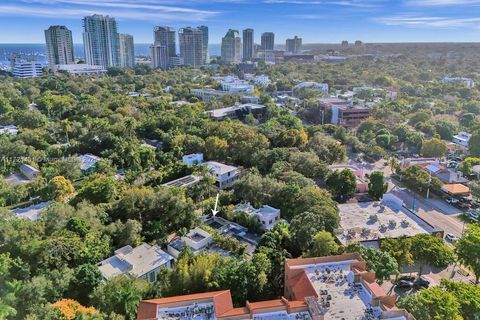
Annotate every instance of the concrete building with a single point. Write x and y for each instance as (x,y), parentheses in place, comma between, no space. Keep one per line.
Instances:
(205,37)
(329,288)
(343,112)
(101,41)
(81,69)
(197,240)
(59,46)
(26,69)
(320,87)
(236,112)
(268,41)
(462,139)
(224,174)
(208,94)
(165,36)
(164,47)
(294,45)
(266,215)
(142,262)
(467,82)
(127,51)
(232,84)
(232,47)
(191,46)
(248,45)
(371,222)
(159,55)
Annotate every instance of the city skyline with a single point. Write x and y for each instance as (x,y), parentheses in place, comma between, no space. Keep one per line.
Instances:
(315,21)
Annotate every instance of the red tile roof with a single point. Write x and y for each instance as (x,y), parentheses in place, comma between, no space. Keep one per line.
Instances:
(301,287)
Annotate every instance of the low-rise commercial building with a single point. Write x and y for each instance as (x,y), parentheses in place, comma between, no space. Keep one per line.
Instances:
(27,69)
(371,222)
(343,112)
(320,87)
(81,69)
(144,262)
(329,288)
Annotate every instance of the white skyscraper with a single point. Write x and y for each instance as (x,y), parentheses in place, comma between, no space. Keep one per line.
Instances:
(59,46)
(232,47)
(127,51)
(101,41)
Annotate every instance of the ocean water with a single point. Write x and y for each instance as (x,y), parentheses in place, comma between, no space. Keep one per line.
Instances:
(37,51)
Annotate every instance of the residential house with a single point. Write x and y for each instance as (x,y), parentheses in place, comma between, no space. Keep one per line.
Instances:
(143,262)
(197,240)
(462,139)
(88,162)
(266,215)
(29,171)
(225,175)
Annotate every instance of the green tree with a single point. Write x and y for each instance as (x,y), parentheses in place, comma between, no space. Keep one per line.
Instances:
(430,250)
(61,188)
(432,304)
(303,229)
(468,249)
(377,185)
(468,295)
(434,148)
(383,264)
(120,295)
(342,183)
(399,249)
(323,244)
(474,144)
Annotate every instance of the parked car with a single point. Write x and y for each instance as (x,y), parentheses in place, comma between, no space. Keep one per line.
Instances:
(451,238)
(472,215)
(451,200)
(422,282)
(404,284)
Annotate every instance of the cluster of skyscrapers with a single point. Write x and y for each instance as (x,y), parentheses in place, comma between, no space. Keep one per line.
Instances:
(103,45)
(234,51)
(193,44)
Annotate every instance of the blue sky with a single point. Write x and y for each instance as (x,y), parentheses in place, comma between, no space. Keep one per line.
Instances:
(317,21)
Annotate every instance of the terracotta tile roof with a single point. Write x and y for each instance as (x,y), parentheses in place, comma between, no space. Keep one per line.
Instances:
(301,287)
(234,313)
(375,289)
(455,188)
(266,304)
(222,301)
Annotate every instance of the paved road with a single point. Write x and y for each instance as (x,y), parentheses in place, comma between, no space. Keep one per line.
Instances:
(449,223)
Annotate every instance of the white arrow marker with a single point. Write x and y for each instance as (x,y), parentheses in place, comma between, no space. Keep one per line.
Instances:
(215,211)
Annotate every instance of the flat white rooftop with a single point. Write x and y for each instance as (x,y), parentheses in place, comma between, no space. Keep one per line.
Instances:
(371,221)
(219,168)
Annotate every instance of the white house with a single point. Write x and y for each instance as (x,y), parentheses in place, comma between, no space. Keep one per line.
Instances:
(197,240)
(462,138)
(193,159)
(267,216)
(224,174)
(144,261)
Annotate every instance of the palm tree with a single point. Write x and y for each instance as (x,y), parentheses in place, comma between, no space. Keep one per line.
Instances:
(6,311)
(131,299)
